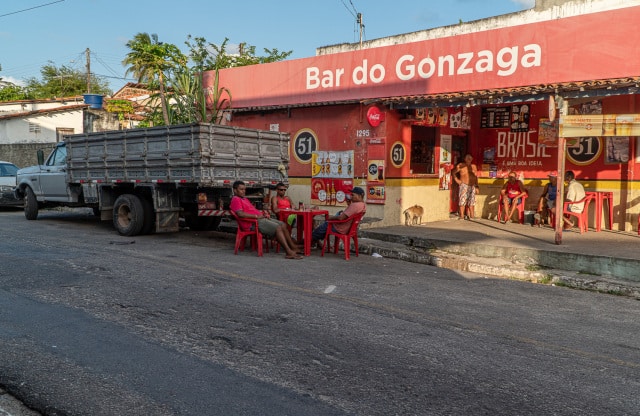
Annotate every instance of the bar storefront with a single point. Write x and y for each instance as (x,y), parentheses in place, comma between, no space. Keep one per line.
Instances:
(396,119)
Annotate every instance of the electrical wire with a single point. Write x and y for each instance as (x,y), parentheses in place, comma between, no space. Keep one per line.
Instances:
(31,8)
(349,10)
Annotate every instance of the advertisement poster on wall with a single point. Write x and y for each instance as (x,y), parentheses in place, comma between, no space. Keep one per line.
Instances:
(444,172)
(376,151)
(331,177)
(617,150)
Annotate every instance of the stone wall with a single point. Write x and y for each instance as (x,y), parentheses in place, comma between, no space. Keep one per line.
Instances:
(23,154)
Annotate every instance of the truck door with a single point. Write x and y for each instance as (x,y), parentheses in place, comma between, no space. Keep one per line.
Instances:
(53,179)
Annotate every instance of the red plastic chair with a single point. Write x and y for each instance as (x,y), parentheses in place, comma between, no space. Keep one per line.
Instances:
(520,208)
(254,234)
(345,238)
(583,217)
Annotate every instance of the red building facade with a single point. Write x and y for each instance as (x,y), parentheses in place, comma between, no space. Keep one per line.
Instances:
(395,119)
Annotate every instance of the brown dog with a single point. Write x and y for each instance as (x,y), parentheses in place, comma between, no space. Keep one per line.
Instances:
(413,215)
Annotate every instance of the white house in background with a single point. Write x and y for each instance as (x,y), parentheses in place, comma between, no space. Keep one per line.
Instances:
(40,121)
(28,125)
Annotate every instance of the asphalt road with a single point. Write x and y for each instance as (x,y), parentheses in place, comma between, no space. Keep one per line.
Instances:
(92,323)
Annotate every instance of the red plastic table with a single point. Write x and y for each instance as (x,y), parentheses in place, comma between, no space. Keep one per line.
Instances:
(600,197)
(304,224)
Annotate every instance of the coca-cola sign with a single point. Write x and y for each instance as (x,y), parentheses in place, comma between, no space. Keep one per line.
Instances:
(375,116)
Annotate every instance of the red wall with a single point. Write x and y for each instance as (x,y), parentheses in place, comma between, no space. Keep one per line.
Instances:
(335,128)
(345,127)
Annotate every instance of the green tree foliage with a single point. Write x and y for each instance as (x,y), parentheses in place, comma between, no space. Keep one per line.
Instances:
(12,92)
(209,56)
(194,103)
(63,81)
(153,62)
(181,97)
(119,107)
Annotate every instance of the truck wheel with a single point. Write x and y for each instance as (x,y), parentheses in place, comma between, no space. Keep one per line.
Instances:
(30,204)
(149,221)
(128,215)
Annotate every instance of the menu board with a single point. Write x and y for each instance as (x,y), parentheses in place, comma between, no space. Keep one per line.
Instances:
(520,117)
(495,117)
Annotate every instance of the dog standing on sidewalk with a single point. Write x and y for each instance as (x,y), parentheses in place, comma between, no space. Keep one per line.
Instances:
(413,215)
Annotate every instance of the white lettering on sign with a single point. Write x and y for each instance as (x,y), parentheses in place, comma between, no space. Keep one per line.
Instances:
(362,74)
(505,62)
(327,80)
(519,145)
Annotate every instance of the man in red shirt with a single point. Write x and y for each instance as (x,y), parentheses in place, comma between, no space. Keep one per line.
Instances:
(511,192)
(357,206)
(267,226)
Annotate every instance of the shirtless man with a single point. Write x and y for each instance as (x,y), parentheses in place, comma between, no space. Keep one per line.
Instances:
(465,175)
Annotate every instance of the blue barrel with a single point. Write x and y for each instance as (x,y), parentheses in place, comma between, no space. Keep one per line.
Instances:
(94,100)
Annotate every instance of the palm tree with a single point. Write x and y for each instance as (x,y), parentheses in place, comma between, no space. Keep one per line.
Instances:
(150,61)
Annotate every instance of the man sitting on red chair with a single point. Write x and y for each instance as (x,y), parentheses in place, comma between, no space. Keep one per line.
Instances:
(267,226)
(511,192)
(575,192)
(357,206)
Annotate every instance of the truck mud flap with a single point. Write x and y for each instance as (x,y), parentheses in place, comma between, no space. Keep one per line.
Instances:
(167,222)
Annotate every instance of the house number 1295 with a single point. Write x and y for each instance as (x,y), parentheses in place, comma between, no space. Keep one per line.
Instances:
(362,133)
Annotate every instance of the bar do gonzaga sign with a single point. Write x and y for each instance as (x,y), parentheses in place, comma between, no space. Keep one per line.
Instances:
(369,144)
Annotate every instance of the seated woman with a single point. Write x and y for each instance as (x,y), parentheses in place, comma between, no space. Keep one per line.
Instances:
(511,193)
(267,226)
(281,201)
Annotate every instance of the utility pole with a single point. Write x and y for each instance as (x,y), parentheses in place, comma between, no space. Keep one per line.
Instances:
(88,55)
(361,26)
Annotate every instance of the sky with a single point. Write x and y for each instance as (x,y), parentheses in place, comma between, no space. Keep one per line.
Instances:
(34,33)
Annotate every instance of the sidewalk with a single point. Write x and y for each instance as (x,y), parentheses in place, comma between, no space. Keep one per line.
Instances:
(607,261)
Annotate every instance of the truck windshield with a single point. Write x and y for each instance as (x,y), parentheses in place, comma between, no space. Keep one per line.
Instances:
(58,157)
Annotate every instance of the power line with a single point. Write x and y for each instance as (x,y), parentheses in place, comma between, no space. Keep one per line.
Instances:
(347,7)
(107,67)
(31,8)
(354,7)
(358,16)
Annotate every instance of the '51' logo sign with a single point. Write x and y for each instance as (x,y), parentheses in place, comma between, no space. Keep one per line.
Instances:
(305,142)
(587,151)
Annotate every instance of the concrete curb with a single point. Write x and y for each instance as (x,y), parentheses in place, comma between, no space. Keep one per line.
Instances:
(499,268)
(622,268)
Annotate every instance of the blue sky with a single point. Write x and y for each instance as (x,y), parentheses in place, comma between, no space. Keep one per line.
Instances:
(35,32)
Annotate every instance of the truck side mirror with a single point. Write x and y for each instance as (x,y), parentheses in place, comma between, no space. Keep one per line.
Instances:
(40,155)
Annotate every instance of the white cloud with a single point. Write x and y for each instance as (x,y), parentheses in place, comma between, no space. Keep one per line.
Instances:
(12,80)
(526,4)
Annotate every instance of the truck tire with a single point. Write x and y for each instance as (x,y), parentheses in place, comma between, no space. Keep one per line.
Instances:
(30,204)
(128,215)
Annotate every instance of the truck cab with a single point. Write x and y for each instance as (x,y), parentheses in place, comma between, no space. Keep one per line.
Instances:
(50,176)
